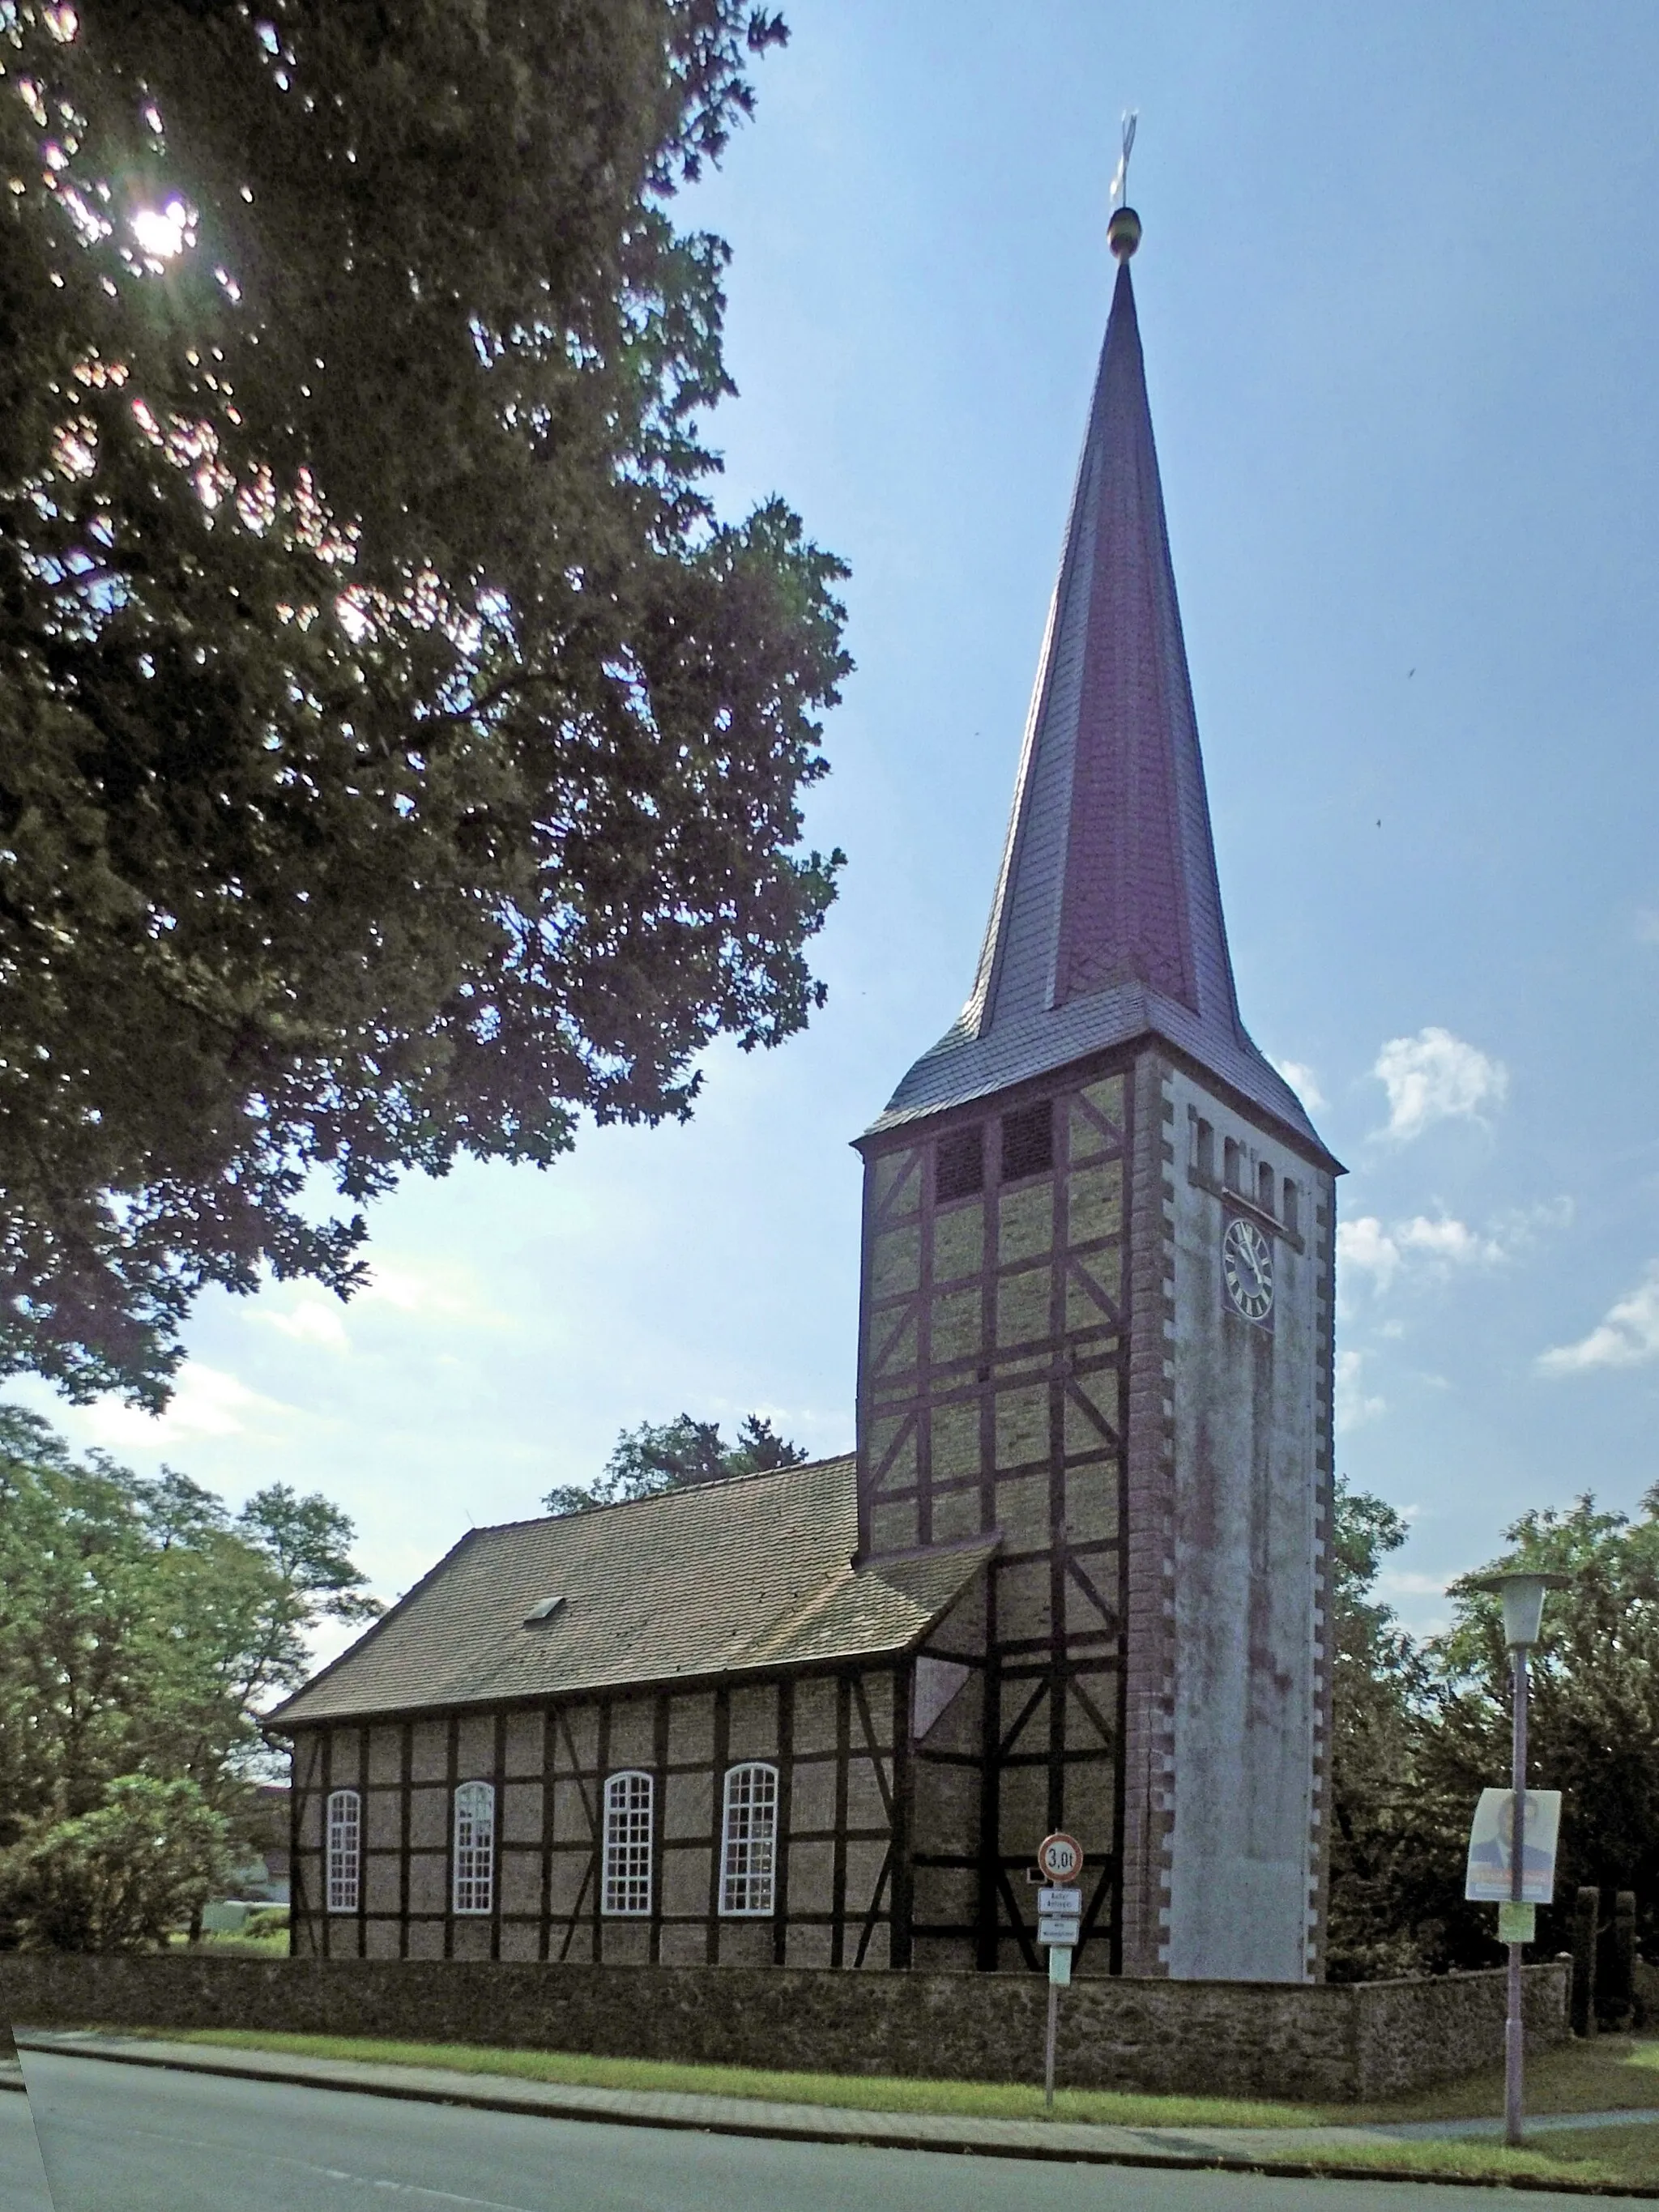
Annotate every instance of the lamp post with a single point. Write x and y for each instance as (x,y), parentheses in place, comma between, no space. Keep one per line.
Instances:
(1522,1594)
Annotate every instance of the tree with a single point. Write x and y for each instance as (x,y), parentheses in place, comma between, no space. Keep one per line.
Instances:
(398,755)
(1594,1708)
(665,1455)
(117,1879)
(1419,1731)
(1384,1860)
(145,1627)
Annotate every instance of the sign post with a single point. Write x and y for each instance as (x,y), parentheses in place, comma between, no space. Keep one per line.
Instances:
(1059,1923)
(1523,1591)
(1511,1864)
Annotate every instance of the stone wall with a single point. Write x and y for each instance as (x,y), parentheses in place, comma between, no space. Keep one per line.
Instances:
(1250,1447)
(1333,2042)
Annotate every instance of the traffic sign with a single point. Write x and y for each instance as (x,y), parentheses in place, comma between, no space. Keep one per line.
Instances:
(1060,1900)
(1064,1927)
(1059,1856)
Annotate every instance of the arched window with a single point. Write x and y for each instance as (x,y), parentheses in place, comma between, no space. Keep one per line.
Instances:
(345,1849)
(475,1847)
(749,1840)
(1231,1165)
(1264,1186)
(1292,1207)
(627,1845)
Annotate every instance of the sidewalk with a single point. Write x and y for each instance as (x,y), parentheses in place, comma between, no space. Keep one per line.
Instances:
(1287,2151)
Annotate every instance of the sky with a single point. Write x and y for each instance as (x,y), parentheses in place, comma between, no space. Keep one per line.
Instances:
(1398,296)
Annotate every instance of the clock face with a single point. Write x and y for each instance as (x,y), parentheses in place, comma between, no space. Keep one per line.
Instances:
(1247,1269)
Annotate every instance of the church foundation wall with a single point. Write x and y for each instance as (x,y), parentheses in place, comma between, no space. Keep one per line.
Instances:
(1331,2042)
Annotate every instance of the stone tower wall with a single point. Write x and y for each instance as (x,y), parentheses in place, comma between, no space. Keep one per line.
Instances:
(1249,1413)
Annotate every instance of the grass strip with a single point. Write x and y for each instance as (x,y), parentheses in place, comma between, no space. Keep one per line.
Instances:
(1606,2074)
(863,2093)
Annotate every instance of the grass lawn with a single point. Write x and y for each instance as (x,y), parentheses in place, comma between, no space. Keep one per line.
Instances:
(1633,2153)
(271,1946)
(1606,2075)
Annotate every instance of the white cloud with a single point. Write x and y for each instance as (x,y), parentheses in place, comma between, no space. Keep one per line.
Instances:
(1436,1077)
(1367,1246)
(1627,1336)
(206,1402)
(1303,1080)
(313,1321)
(1452,1242)
(1353,1407)
(447,1293)
(1405,1582)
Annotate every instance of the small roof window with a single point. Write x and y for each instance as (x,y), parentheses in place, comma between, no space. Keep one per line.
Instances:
(544,1611)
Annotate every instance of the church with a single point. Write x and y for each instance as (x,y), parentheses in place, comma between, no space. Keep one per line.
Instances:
(1074,1575)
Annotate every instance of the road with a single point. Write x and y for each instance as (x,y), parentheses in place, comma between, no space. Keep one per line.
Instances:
(121,2139)
(22,2183)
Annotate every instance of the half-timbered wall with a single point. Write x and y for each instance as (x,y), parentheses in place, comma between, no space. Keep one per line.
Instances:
(841,1893)
(993,1381)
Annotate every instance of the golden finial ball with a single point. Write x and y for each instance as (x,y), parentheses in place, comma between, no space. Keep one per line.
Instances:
(1123,233)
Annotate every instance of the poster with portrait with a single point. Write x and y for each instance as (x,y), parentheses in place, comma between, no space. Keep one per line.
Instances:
(1487,1879)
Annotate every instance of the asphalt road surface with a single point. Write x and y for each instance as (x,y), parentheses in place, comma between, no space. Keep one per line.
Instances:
(22,2183)
(135,2139)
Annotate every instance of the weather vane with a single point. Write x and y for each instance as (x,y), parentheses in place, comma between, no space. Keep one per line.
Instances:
(1123,231)
(1119,195)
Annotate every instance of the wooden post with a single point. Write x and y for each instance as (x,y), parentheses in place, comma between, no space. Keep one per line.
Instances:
(1623,1957)
(1586,1921)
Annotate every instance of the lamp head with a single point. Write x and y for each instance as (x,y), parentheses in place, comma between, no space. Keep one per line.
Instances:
(1522,1589)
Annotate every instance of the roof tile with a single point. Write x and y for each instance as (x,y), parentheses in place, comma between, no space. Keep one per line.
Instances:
(720,1577)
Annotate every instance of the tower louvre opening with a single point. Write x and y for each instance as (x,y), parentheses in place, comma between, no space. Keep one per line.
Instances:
(1028,1141)
(959,1164)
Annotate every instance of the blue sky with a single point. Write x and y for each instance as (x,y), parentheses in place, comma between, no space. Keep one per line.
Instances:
(1398,294)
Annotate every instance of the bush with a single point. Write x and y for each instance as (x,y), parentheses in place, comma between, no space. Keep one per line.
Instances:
(117,1878)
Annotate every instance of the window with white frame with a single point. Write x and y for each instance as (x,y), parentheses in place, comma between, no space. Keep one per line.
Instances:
(475,1847)
(749,1840)
(627,1845)
(345,1849)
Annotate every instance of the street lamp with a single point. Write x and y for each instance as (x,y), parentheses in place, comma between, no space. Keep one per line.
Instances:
(1522,1592)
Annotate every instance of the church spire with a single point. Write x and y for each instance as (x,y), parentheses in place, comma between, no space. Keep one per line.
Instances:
(1107,921)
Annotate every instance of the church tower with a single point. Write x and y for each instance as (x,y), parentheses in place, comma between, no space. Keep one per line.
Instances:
(1096,1322)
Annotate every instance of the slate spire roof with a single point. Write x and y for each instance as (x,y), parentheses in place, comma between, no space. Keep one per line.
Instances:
(1107,921)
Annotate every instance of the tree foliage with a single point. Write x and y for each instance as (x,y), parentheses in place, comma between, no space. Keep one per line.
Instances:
(397,754)
(148,1857)
(1380,1884)
(665,1455)
(1420,1730)
(1593,1731)
(145,1627)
